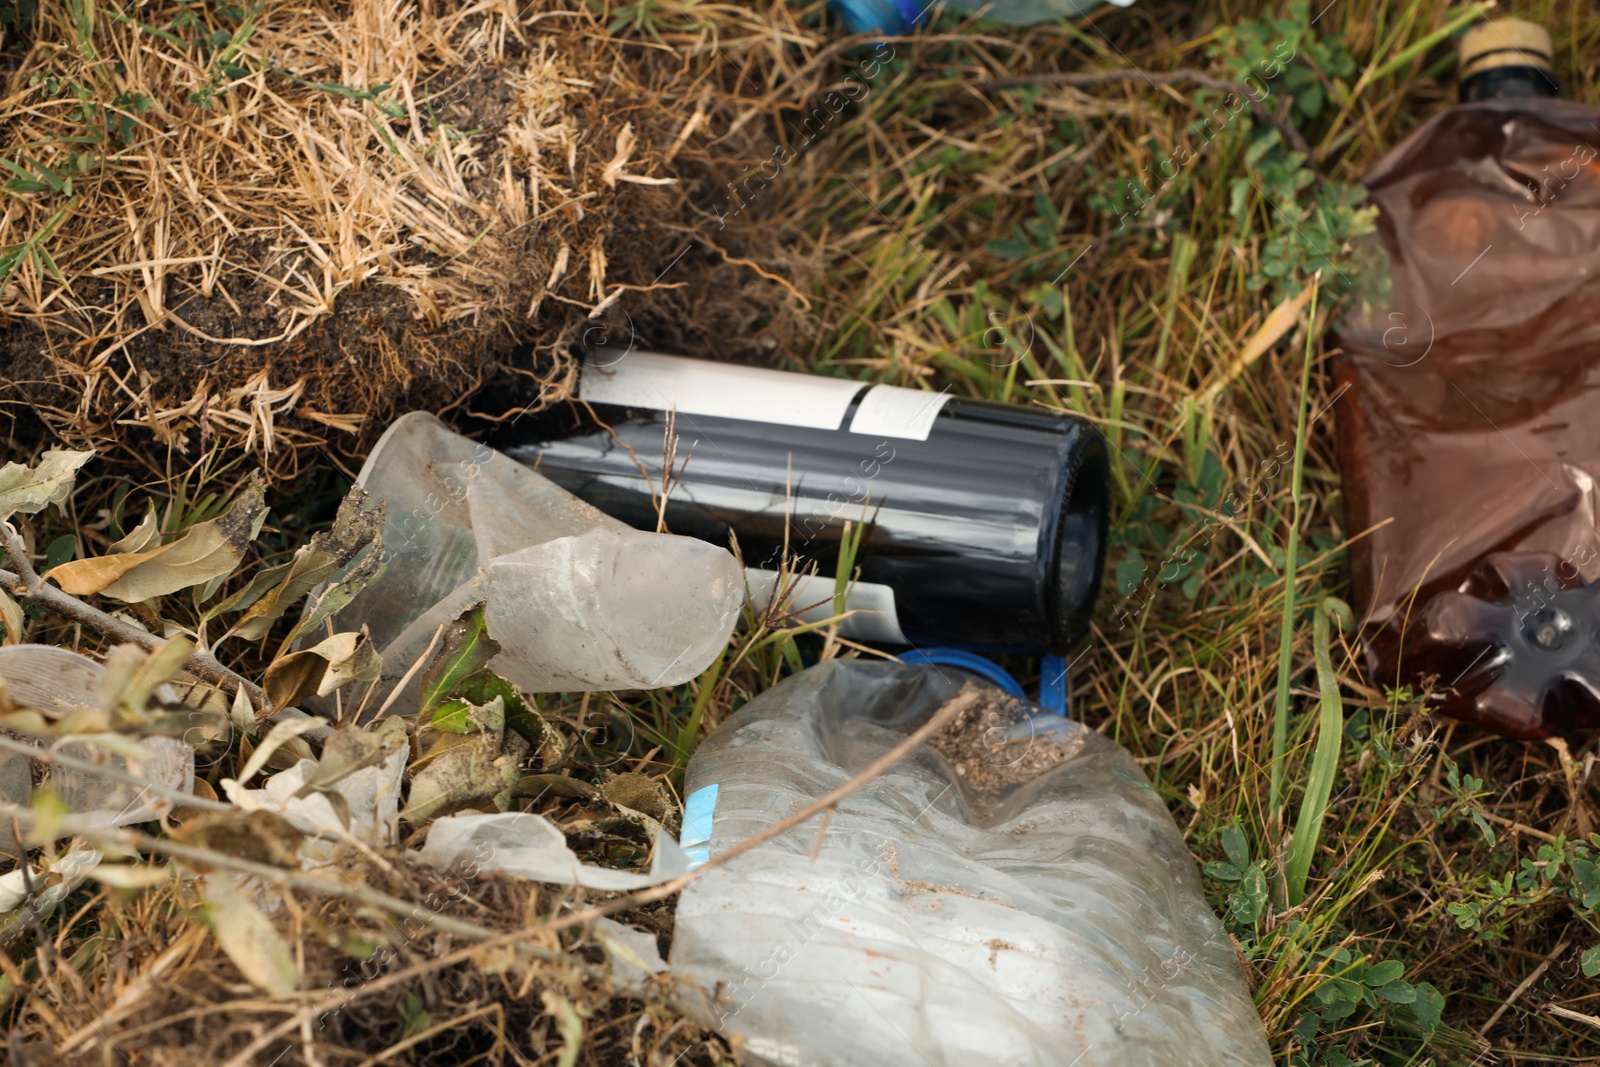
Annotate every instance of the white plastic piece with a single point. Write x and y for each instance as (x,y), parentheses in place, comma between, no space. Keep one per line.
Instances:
(577,600)
(873,615)
(71,869)
(372,795)
(532,847)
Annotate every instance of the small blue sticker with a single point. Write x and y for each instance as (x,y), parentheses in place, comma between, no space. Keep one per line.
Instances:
(697,819)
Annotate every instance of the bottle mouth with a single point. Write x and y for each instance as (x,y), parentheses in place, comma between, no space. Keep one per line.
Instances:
(1079,555)
(1506,57)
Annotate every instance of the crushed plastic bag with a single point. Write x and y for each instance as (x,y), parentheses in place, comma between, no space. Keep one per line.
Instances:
(634,954)
(371,795)
(984,901)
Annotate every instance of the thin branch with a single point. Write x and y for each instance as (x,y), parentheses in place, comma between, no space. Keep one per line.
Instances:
(1086,79)
(30,581)
(26,584)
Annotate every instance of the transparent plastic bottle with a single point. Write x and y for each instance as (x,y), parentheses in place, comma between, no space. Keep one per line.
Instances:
(577,600)
(976,904)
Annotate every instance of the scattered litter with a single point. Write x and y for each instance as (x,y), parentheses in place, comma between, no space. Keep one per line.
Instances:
(531,846)
(371,796)
(1050,919)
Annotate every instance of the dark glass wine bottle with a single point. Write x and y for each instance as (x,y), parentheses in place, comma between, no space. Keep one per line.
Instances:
(985,523)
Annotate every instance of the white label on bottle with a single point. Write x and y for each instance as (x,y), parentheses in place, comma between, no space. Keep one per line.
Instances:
(873,604)
(890,411)
(723,390)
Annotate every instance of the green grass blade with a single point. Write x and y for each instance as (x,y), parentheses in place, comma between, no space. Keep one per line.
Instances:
(1280,711)
(1325,761)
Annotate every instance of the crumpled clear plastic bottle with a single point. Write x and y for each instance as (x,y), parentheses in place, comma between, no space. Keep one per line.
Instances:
(577,600)
(1056,921)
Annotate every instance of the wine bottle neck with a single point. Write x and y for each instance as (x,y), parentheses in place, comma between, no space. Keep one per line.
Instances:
(1507,59)
(1509,83)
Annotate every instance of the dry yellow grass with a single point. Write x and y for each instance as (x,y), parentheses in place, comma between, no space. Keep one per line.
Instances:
(267,228)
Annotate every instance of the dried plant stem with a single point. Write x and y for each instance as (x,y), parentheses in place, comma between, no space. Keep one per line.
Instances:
(26,584)
(484,937)
(360,893)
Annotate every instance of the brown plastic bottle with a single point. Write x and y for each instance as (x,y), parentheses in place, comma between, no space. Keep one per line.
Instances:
(1469,432)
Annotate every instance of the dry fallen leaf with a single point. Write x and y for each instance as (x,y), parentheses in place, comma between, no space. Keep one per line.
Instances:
(461,770)
(322,668)
(142,536)
(353,749)
(31,489)
(354,529)
(248,937)
(11,618)
(203,553)
(334,598)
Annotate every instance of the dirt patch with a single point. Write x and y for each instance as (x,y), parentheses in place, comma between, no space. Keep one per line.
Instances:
(996,946)
(991,746)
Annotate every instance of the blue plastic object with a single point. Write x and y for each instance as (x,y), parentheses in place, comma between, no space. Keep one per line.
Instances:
(889,17)
(967,661)
(1053,684)
(698,813)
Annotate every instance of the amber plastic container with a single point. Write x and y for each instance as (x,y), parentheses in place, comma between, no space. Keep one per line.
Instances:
(1469,434)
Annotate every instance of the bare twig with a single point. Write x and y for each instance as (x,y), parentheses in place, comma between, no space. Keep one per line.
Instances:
(1576,1016)
(1522,988)
(1087,79)
(26,584)
(969,695)
(18,554)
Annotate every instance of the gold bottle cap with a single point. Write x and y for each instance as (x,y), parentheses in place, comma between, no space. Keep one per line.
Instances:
(1505,43)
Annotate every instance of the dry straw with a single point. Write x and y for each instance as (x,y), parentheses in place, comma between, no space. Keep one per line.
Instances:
(274,227)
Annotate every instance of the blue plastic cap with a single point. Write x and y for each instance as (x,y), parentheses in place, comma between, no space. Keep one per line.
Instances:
(889,17)
(967,661)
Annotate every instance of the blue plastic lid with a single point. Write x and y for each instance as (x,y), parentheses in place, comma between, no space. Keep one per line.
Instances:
(889,17)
